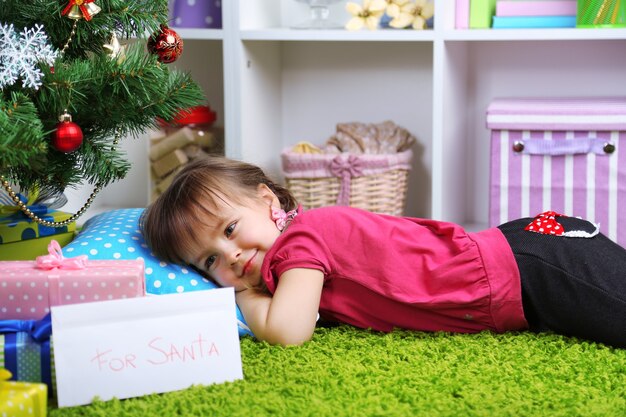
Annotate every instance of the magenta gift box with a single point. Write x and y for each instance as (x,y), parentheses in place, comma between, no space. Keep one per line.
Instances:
(27,292)
(561,154)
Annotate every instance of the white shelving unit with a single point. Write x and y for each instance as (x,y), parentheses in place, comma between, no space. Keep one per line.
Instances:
(273,86)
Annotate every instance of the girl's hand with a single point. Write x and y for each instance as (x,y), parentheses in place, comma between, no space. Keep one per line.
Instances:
(288,317)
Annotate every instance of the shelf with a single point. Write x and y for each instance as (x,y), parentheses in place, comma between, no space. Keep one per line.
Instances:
(533,34)
(201,34)
(383,35)
(391,35)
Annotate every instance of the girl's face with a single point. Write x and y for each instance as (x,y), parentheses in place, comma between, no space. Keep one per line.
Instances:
(232,248)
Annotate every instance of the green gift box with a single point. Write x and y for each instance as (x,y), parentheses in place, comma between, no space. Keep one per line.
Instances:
(22,239)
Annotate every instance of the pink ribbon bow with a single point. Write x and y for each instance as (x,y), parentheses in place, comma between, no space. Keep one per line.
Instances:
(55,259)
(546,223)
(281,218)
(345,168)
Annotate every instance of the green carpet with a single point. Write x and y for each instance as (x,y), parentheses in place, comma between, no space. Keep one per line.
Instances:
(349,372)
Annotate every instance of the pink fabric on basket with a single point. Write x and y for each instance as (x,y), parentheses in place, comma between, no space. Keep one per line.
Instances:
(343,166)
(346,168)
(307,165)
(29,288)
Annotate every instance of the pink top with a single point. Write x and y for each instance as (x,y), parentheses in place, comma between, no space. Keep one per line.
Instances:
(382,271)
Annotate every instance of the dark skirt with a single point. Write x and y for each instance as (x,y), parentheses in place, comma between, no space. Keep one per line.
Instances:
(573,286)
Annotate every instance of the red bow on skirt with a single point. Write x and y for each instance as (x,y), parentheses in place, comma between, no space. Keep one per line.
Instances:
(546,223)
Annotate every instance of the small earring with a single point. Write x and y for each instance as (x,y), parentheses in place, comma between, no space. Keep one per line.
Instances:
(281,218)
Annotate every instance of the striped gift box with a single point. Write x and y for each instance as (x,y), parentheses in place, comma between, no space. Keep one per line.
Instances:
(26,350)
(561,154)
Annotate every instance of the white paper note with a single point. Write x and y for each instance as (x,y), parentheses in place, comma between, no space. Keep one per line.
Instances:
(132,347)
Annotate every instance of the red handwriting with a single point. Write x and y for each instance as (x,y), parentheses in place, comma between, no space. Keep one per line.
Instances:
(168,352)
(113,364)
(160,352)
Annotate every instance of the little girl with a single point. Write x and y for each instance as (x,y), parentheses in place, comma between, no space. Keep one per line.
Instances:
(227,220)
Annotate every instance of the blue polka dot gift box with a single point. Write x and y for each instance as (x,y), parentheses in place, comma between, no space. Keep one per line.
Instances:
(116,235)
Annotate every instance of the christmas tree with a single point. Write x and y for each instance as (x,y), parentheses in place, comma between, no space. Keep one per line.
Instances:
(76,77)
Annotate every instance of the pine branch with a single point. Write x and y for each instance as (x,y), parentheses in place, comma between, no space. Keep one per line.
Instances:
(20,132)
(104,165)
(105,97)
(131,19)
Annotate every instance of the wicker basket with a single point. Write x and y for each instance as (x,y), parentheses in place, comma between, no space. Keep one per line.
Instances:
(374,182)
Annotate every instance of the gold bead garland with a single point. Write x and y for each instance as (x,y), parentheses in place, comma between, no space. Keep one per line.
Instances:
(24,209)
(69,40)
(38,219)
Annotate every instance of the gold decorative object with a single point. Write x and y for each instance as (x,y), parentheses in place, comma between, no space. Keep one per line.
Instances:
(81,9)
(115,50)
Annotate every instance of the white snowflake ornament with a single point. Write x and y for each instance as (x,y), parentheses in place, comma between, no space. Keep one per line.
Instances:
(21,53)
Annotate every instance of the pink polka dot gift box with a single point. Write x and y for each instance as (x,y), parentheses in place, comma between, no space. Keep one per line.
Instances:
(29,288)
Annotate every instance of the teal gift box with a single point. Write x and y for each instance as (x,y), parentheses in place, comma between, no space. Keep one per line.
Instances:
(25,350)
(22,239)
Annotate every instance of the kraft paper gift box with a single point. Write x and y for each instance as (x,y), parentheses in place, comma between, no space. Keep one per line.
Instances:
(29,288)
(566,155)
(25,350)
(23,239)
(22,399)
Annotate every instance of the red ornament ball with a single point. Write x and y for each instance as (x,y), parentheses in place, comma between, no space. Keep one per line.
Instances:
(67,137)
(166,45)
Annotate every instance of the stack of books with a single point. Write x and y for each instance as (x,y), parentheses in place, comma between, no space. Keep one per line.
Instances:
(474,14)
(524,14)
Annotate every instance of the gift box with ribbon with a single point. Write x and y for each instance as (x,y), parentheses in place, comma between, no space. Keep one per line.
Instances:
(21,399)
(560,154)
(24,239)
(29,288)
(25,350)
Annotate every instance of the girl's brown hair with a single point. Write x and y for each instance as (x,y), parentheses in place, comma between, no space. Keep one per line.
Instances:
(168,224)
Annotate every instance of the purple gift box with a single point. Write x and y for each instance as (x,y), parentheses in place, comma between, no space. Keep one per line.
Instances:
(561,154)
(197,14)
